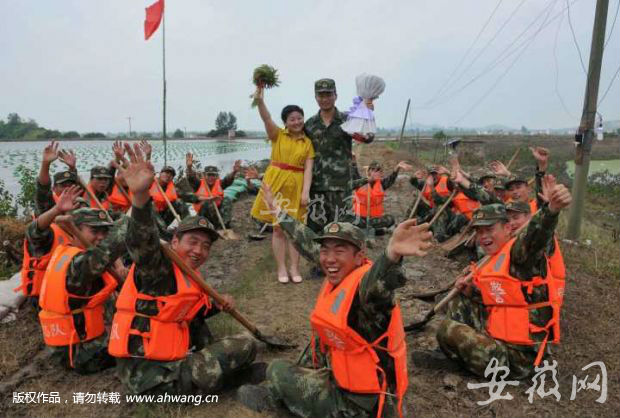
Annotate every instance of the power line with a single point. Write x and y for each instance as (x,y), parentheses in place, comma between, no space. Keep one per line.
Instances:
(613,24)
(557,70)
(570,24)
(611,82)
(506,53)
(484,48)
(445,85)
(484,96)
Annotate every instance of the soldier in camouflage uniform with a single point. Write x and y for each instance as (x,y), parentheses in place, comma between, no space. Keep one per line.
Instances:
(379,224)
(207,208)
(44,192)
(310,392)
(166,175)
(462,336)
(330,192)
(211,363)
(83,277)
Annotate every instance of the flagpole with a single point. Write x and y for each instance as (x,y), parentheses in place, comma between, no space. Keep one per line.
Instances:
(164,76)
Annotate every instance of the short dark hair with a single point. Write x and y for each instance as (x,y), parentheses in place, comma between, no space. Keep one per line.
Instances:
(290,109)
(343,242)
(179,234)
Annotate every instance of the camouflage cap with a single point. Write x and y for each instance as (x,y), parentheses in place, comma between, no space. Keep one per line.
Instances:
(325,85)
(168,169)
(65,176)
(192,223)
(374,165)
(344,231)
(432,169)
(499,185)
(90,216)
(489,215)
(487,175)
(518,206)
(100,172)
(211,169)
(514,180)
(83,203)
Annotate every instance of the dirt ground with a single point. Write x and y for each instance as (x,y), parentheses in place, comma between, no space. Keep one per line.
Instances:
(437,387)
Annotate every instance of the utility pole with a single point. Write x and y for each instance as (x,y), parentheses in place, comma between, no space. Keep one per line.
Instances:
(164,76)
(402,130)
(585,133)
(129,119)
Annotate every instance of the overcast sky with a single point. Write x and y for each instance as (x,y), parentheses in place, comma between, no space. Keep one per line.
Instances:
(84,65)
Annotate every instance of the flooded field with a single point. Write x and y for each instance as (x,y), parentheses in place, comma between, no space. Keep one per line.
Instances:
(597,166)
(90,153)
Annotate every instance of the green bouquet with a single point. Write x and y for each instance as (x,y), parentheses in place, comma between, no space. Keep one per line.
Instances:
(265,76)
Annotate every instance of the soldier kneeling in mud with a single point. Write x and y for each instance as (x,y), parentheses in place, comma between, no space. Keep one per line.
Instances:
(159,333)
(357,365)
(510,310)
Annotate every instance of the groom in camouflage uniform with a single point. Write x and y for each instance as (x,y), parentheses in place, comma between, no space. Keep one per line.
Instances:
(330,192)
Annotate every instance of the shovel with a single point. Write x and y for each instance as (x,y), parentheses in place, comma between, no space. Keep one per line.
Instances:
(271,341)
(224,233)
(94,198)
(260,236)
(174,212)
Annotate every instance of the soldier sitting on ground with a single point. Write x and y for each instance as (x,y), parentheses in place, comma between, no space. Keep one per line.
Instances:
(376,184)
(159,333)
(510,311)
(209,189)
(76,286)
(358,354)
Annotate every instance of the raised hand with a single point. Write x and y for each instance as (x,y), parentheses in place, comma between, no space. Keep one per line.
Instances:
(50,152)
(189,159)
(138,171)
(430,181)
(119,151)
(251,173)
(66,199)
(409,239)
(548,184)
(420,174)
(442,170)
(68,157)
(404,166)
(541,155)
(146,148)
(498,168)
(559,196)
(237,166)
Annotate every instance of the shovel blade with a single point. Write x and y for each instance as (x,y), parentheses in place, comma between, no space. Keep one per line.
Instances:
(273,341)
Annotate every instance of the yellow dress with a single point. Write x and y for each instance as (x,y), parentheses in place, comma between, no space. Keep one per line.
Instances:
(286,184)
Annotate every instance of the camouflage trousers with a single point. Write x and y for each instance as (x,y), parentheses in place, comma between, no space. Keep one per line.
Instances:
(208,211)
(88,357)
(462,338)
(313,393)
(180,208)
(382,222)
(327,206)
(207,370)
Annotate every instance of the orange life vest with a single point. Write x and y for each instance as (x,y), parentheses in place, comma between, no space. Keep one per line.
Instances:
(118,200)
(360,204)
(33,268)
(92,203)
(428,195)
(168,336)
(464,205)
(442,186)
(158,199)
(533,206)
(502,294)
(557,267)
(56,316)
(204,190)
(354,361)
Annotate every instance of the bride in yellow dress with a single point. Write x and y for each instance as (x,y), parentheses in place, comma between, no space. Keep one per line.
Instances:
(289,175)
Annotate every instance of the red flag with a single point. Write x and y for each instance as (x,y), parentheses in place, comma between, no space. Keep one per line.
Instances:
(154,14)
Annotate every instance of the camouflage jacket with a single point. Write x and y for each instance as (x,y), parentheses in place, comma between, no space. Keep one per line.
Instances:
(370,312)
(437,199)
(386,182)
(191,179)
(154,276)
(333,153)
(476,192)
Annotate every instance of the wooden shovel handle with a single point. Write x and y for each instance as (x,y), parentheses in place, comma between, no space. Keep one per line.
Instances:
(94,198)
(443,207)
(217,211)
(172,255)
(174,212)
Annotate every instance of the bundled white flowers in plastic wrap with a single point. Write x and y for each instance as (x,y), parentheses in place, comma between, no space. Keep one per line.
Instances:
(360,118)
